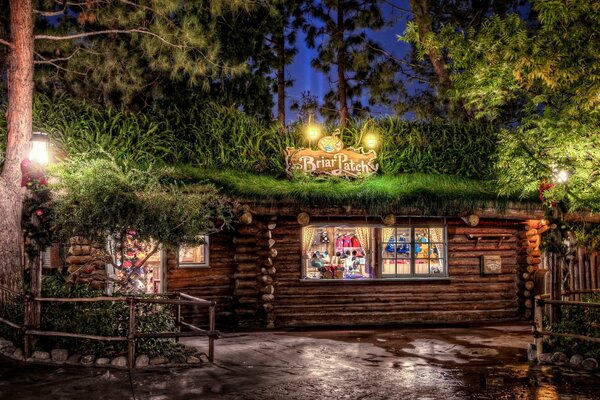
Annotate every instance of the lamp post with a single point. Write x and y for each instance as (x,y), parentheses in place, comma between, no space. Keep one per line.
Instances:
(38,148)
(313,131)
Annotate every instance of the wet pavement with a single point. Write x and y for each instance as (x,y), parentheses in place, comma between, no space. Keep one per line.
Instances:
(401,363)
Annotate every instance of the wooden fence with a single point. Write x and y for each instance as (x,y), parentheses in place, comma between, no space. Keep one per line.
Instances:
(29,330)
(543,300)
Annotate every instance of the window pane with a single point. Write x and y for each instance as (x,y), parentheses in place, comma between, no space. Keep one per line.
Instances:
(337,252)
(194,255)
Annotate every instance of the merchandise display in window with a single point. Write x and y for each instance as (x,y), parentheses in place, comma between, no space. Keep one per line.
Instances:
(335,252)
(137,276)
(373,252)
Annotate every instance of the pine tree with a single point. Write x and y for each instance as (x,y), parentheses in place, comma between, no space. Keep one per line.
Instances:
(339,32)
(164,33)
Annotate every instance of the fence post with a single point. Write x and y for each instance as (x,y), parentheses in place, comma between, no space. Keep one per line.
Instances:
(131,334)
(538,326)
(211,332)
(178,316)
(26,326)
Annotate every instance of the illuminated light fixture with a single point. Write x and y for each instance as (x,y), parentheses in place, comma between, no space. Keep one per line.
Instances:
(561,176)
(38,148)
(313,132)
(371,141)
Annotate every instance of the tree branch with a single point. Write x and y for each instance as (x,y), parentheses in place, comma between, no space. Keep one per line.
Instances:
(8,44)
(104,32)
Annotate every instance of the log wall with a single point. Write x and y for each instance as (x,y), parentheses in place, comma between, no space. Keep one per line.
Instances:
(211,283)
(466,295)
(255,276)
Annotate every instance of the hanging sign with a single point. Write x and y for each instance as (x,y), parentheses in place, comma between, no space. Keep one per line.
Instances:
(332,159)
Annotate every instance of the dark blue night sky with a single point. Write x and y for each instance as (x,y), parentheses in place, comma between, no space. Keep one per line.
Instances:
(307,79)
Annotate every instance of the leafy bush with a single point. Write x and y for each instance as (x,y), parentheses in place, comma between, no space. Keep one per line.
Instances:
(580,321)
(12,309)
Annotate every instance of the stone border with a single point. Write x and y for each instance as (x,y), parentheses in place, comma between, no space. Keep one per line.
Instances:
(560,359)
(191,357)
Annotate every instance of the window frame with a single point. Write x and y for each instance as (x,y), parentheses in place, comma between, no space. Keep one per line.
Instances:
(377,253)
(205,264)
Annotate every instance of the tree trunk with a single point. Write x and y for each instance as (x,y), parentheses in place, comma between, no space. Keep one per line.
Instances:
(341,64)
(281,77)
(423,21)
(19,121)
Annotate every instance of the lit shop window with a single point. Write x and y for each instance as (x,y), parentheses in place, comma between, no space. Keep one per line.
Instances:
(346,252)
(194,256)
(413,252)
(338,252)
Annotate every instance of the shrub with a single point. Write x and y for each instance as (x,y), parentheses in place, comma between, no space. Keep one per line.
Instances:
(581,321)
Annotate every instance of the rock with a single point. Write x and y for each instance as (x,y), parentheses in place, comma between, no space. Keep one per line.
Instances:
(589,364)
(59,355)
(103,361)
(5,343)
(88,360)
(178,359)
(559,358)
(576,360)
(40,356)
(18,354)
(193,360)
(73,359)
(545,358)
(8,350)
(159,360)
(142,361)
(119,362)
(531,352)
(203,357)
(190,351)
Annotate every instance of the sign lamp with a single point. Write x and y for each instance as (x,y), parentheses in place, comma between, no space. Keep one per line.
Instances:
(371,141)
(38,148)
(313,132)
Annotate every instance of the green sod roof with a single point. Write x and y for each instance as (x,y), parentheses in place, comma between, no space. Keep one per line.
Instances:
(429,194)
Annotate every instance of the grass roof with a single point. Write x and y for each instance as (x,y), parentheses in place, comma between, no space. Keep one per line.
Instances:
(428,194)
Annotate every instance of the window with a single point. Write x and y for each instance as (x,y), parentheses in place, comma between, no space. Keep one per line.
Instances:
(413,251)
(338,252)
(194,256)
(373,252)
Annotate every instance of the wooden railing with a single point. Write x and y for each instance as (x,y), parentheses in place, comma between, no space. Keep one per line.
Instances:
(538,321)
(29,330)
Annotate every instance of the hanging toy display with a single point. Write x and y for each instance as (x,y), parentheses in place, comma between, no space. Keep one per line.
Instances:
(324,237)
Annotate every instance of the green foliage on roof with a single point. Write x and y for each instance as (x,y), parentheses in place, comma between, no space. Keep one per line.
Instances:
(426,194)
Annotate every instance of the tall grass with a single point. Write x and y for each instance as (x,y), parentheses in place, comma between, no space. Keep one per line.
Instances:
(216,137)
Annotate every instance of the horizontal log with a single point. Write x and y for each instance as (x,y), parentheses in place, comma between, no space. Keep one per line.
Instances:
(482,247)
(470,254)
(269,298)
(405,317)
(248,275)
(247,267)
(361,298)
(245,292)
(271,253)
(244,240)
(247,300)
(266,279)
(534,252)
(241,283)
(250,230)
(528,260)
(527,303)
(265,243)
(268,289)
(245,258)
(465,230)
(268,262)
(246,249)
(264,234)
